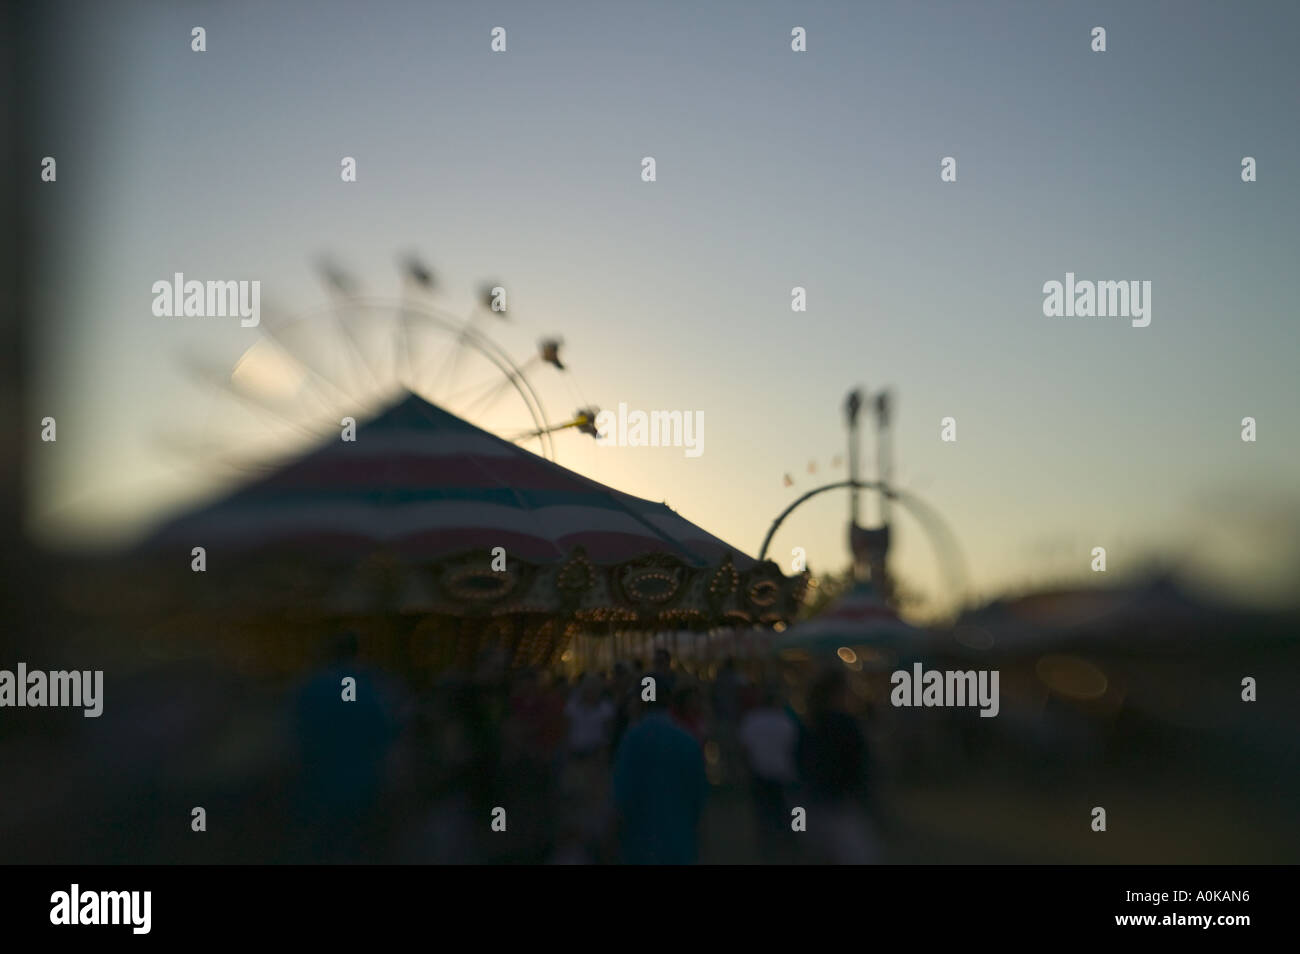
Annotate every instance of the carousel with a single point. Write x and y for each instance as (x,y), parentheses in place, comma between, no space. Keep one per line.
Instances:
(434,540)
(394,475)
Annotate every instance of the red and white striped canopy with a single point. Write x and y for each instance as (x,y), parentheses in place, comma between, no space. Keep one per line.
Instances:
(425,484)
(858,617)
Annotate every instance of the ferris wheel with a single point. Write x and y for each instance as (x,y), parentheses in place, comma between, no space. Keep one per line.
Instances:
(355,354)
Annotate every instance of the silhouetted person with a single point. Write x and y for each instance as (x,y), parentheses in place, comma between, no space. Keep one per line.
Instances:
(591,717)
(833,762)
(659,790)
(726,693)
(625,689)
(728,703)
(665,680)
(344,732)
(770,739)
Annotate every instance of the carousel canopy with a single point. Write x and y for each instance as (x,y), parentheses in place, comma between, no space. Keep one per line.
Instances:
(420,488)
(427,484)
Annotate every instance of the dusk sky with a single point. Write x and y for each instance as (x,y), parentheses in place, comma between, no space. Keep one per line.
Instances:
(774,169)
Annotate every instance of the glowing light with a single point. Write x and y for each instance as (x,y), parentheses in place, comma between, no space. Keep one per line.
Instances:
(848,655)
(266,371)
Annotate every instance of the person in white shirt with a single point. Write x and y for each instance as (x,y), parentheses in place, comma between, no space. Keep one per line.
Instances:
(770,737)
(590,715)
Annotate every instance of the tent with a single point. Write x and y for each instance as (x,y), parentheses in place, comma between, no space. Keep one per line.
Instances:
(426,517)
(859,622)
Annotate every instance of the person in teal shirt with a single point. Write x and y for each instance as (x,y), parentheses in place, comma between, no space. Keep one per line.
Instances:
(659,790)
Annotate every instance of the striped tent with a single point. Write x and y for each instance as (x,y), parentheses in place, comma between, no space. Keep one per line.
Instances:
(412,514)
(858,620)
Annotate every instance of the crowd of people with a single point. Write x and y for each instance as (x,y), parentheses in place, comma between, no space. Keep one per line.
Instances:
(526,765)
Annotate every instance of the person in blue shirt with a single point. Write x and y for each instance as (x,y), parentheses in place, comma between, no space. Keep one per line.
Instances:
(342,749)
(659,790)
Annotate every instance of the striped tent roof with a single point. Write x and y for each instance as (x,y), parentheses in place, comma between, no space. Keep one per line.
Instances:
(425,484)
(857,618)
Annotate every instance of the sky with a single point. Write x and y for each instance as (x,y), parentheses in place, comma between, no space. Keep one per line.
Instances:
(774,169)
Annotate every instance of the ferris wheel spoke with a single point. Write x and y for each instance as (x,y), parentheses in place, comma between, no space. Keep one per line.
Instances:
(403,367)
(222,383)
(484,403)
(446,373)
(471,395)
(333,360)
(417,283)
(354,345)
(319,380)
(447,377)
(516,375)
(343,289)
(512,380)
